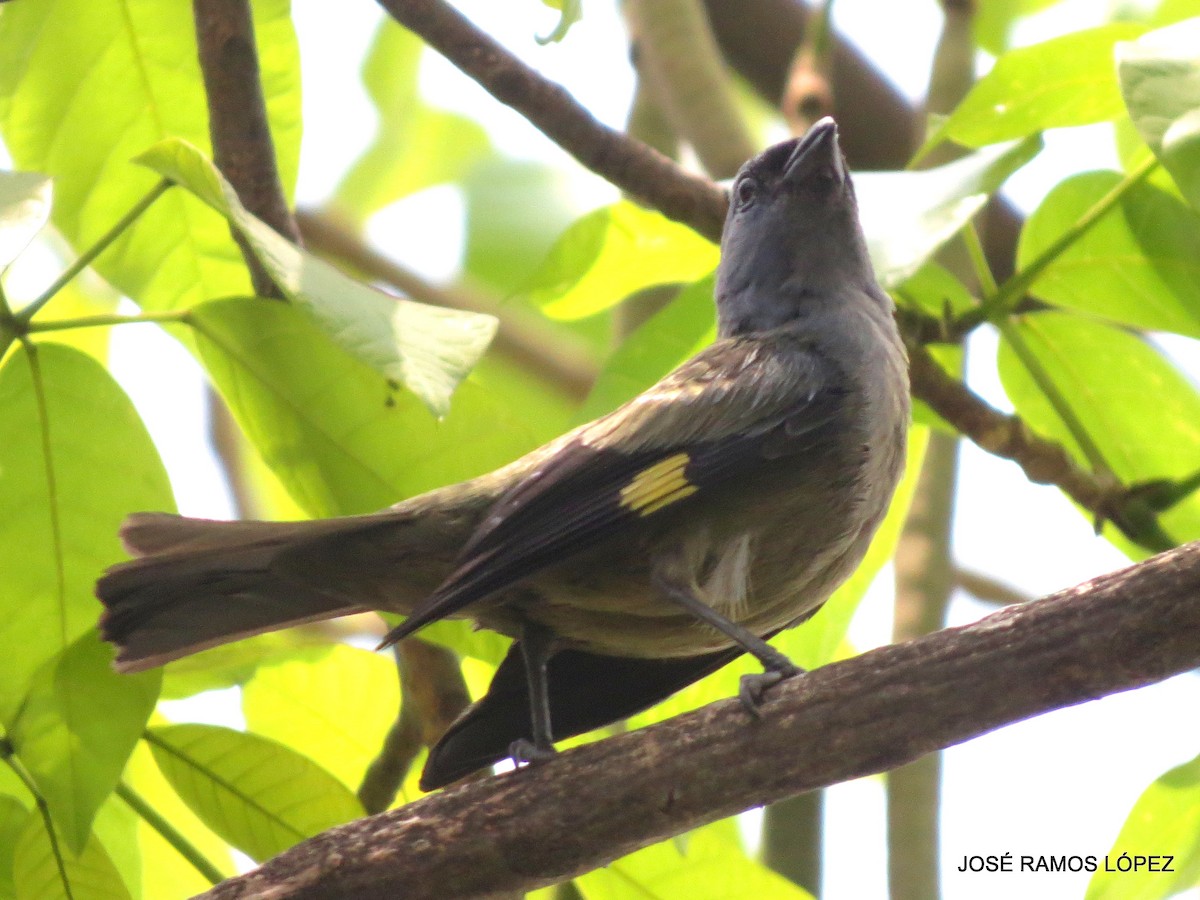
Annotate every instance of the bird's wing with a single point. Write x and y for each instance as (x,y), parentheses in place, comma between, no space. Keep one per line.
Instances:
(736,404)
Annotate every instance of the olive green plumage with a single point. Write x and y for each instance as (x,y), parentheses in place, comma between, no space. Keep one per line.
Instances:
(749,480)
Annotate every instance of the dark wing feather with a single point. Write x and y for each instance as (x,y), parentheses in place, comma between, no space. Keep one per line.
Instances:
(727,409)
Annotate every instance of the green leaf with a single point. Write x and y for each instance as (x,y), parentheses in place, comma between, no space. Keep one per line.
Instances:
(24,210)
(13,816)
(116,828)
(1164,820)
(709,865)
(1138,265)
(257,794)
(612,252)
(338,436)
(335,704)
(428,349)
(86,84)
(571,12)
(75,459)
(516,210)
(76,728)
(91,874)
(1160,80)
(1068,80)
(1108,376)
(673,334)
(907,216)
(415,146)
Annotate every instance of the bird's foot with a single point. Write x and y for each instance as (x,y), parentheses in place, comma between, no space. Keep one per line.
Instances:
(525,752)
(752,687)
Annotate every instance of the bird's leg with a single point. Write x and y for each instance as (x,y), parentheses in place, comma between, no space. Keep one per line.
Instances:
(776,665)
(537,645)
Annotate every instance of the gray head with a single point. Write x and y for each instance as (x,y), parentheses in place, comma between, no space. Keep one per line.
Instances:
(792,237)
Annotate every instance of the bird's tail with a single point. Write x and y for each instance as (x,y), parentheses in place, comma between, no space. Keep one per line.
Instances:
(196,583)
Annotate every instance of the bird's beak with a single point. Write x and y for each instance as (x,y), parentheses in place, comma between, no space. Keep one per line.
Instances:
(817,151)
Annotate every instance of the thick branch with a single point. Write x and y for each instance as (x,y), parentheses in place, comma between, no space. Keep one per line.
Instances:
(237,119)
(853,718)
(633,167)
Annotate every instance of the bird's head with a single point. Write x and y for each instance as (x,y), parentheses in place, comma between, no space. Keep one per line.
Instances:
(792,236)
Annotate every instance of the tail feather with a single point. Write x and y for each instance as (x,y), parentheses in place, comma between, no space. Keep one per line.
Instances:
(201,583)
(197,583)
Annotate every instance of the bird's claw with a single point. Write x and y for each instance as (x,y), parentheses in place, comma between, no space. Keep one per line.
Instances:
(752,687)
(525,752)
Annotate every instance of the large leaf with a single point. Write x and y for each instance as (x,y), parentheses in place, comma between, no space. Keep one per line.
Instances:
(1164,821)
(75,459)
(1065,81)
(336,705)
(1137,409)
(907,216)
(337,435)
(612,252)
(256,793)
(1138,265)
(707,864)
(86,84)
(24,209)
(427,349)
(1160,80)
(76,728)
(36,875)
(415,145)
(13,816)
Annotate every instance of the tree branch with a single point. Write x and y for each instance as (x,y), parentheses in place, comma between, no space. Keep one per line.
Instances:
(862,716)
(237,120)
(633,167)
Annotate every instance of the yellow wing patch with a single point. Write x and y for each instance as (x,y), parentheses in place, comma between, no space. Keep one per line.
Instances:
(657,486)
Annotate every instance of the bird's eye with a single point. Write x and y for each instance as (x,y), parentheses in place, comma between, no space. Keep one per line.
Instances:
(745,192)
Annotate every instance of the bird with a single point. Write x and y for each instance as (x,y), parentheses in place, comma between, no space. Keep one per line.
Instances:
(638,552)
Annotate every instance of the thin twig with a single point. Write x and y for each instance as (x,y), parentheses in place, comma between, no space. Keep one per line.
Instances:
(988,589)
(432,694)
(169,833)
(869,714)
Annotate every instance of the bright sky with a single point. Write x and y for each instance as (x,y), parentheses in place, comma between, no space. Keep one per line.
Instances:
(1060,784)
